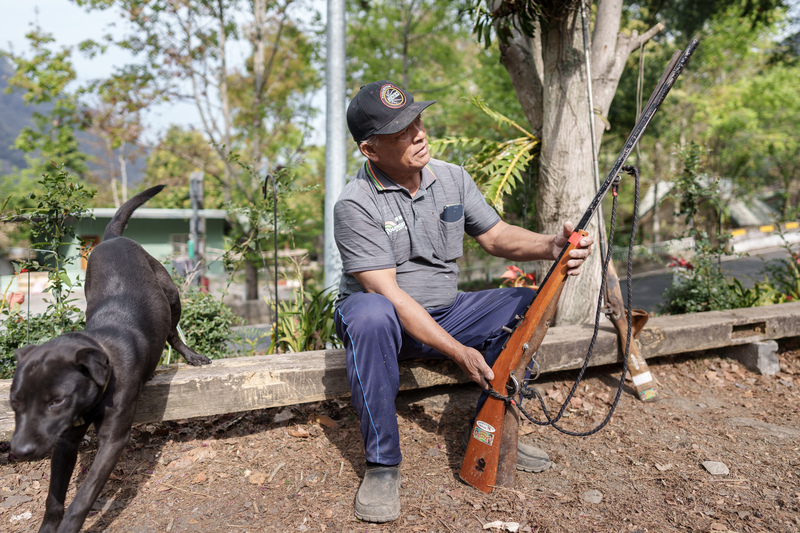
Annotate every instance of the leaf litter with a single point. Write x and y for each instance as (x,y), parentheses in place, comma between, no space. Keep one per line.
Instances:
(297,468)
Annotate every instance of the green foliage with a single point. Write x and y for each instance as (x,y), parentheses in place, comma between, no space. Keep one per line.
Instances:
(179,153)
(425,46)
(701,286)
(496,167)
(302,205)
(752,130)
(501,18)
(256,222)
(693,186)
(19,331)
(207,323)
(306,323)
(44,77)
(784,273)
(760,294)
(50,218)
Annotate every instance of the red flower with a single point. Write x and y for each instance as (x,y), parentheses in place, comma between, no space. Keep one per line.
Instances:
(680,262)
(515,277)
(512,272)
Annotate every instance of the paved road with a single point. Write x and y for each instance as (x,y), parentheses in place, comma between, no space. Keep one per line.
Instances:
(649,287)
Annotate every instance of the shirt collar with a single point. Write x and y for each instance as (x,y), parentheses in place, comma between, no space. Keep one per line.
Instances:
(382,182)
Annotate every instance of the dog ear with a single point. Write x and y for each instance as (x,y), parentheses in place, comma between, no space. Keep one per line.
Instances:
(20,353)
(96,364)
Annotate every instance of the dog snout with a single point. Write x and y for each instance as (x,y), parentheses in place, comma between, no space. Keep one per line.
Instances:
(23,449)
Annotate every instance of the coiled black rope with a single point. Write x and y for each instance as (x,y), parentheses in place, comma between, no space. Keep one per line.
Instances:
(530,392)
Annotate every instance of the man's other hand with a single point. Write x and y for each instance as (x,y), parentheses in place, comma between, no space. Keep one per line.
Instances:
(474,366)
(576,256)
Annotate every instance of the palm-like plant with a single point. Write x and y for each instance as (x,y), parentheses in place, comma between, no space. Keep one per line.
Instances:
(496,167)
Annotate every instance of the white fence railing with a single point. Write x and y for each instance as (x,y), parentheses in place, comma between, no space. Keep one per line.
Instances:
(654,250)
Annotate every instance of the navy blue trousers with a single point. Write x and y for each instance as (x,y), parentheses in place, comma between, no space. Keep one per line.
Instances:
(375,341)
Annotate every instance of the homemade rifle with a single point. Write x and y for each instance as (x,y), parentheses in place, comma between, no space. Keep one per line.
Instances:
(494,432)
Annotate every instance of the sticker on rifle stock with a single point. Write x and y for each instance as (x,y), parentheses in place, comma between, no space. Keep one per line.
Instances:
(649,394)
(483,432)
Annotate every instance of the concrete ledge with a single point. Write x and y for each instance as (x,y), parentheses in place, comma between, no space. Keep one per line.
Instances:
(761,357)
(243,384)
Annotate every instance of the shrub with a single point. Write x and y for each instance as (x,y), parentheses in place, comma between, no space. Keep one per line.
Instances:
(702,288)
(39,328)
(784,273)
(207,323)
(51,218)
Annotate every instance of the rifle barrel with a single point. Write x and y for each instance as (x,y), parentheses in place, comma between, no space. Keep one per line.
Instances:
(666,82)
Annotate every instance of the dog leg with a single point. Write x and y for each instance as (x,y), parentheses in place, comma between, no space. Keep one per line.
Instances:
(174,340)
(174,299)
(62,464)
(109,449)
(192,357)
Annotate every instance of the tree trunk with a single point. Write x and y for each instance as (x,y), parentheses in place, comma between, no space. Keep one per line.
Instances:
(250,281)
(123,173)
(259,52)
(565,186)
(548,74)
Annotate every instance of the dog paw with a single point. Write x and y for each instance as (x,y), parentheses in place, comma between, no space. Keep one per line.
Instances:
(198,360)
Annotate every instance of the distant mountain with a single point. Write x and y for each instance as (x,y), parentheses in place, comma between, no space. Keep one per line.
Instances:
(15,115)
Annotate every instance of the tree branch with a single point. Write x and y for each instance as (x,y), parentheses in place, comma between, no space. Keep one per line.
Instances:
(646,36)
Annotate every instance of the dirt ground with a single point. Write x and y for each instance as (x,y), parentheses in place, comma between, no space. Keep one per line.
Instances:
(298,468)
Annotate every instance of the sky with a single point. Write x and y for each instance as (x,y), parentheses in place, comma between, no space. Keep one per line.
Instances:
(70,25)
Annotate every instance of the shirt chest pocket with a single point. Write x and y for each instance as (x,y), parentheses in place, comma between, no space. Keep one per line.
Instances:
(451,237)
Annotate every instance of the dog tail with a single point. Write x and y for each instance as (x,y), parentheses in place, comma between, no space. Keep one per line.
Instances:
(123,214)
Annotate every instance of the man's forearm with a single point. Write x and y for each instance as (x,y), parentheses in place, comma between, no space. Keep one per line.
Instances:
(416,321)
(517,244)
(419,324)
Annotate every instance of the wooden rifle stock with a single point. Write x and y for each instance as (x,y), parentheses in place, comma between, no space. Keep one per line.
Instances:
(480,465)
(643,381)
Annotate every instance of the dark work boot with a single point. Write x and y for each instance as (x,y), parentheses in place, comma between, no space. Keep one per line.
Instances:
(378,497)
(529,458)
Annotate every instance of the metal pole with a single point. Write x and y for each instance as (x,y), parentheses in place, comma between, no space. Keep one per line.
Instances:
(335,133)
(196,225)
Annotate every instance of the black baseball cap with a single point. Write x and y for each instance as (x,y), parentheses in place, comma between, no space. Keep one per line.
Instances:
(381,108)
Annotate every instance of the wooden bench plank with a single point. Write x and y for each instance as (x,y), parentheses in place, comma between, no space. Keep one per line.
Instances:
(242,384)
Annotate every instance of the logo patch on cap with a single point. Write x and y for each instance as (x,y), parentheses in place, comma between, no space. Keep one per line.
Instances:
(392,97)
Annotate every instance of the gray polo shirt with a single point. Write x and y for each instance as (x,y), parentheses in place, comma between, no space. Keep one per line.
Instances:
(378,225)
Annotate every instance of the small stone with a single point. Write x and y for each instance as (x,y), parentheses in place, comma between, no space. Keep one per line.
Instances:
(24,516)
(283,416)
(13,501)
(592,496)
(716,468)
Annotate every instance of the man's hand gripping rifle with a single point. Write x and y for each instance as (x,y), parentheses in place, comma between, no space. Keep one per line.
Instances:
(494,432)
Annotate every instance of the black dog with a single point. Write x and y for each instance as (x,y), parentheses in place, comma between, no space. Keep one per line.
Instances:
(94,376)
